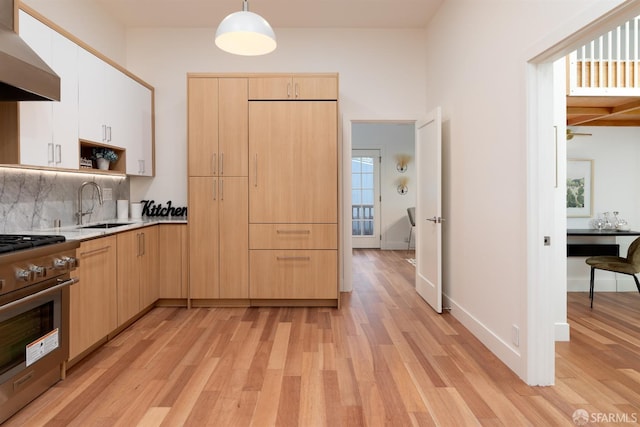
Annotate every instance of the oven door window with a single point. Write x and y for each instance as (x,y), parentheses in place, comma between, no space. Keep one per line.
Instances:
(22,326)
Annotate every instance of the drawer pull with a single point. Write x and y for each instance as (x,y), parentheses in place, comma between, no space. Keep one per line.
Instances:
(94,251)
(293,231)
(294,258)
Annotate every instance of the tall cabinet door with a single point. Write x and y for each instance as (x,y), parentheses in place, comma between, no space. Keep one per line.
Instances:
(234,237)
(204,261)
(293,162)
(203,126)
(233,132)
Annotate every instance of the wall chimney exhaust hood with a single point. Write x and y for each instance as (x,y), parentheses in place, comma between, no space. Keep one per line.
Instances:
(24,76)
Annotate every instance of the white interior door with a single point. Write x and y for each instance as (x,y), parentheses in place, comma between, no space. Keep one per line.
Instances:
(429,210)
(365,198)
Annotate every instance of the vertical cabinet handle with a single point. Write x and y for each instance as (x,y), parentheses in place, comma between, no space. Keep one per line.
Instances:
(222,189)
(109,133)
(213,162)
(215,189)
(221,163)
(288,90)
(297,91)
(50,152)
(58,155)
(255,184)
(144,245)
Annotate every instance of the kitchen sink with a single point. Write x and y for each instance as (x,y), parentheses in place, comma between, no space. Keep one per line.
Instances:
(106,225)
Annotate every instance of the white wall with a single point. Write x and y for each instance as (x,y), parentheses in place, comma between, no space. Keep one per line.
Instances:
(381,77)
(88,23)
(391,139)
(477,53)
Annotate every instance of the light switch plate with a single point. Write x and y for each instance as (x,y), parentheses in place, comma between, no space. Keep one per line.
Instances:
(107,194)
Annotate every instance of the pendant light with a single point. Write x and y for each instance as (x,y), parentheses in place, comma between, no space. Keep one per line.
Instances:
(245,33)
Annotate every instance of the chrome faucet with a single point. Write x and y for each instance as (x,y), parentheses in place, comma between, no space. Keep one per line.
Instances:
(80,213)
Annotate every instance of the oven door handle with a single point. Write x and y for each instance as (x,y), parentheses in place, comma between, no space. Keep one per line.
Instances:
(62,283)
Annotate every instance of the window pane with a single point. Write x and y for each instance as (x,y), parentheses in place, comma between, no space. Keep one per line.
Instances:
(367,228)
(356,165)
(367,197)
(367,180)
(367,165)
(356,197)
(355,228)
(356,180)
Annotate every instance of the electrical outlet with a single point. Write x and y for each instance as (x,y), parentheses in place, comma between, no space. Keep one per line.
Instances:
(107,194)
(515,335)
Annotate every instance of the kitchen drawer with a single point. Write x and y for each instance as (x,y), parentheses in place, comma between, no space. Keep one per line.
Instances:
(287,274)
(293,236)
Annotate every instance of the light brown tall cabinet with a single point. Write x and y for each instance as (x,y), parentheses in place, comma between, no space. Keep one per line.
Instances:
(218,193)
(263,189)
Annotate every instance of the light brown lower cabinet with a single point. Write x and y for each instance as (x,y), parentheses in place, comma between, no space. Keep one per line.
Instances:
(137,281)
(173,261)
(93,311)
(293,274)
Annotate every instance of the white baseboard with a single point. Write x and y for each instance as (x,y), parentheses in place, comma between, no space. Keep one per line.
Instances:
(582,285)
(562,331)
(504,351)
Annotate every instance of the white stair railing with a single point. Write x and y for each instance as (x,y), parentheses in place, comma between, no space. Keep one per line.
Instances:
(608,65)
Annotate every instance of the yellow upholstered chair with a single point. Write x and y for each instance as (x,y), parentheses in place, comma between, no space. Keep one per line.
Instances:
(629,265)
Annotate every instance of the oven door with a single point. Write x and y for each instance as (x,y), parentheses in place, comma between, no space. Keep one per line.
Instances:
(34,342)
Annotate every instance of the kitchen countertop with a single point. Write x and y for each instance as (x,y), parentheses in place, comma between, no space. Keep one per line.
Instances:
(74,232)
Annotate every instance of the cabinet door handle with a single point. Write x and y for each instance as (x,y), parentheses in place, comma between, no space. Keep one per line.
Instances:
(293,258)
(256,171)
(288,90)
(50,151)
(221,163)
(221,189)
(297,92)
(58,153)
(293,231)
(109,133)
(214,160)
(144,245)
(215,189)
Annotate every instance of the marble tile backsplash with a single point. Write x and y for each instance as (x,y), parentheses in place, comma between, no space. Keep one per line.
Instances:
(33,199)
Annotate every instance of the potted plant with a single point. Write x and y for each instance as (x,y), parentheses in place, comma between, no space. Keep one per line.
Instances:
(104,156)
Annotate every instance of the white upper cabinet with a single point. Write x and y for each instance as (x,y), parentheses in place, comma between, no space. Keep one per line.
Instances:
(100,92)
(138,128)
(116,110)
(49,130)
(99,104)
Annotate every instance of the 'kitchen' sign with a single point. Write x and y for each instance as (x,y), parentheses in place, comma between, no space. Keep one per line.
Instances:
(150,208)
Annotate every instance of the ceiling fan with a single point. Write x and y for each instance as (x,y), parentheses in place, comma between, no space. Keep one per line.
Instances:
(571,134)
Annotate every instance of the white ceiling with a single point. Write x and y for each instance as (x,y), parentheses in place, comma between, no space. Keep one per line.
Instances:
(279,13)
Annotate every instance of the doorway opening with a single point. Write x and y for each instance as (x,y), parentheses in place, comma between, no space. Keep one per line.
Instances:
(547,198)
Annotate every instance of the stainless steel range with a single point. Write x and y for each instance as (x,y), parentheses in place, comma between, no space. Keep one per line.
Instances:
(35,275)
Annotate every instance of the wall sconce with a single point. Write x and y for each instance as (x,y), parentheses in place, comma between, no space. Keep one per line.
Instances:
(402,162)
(402,186)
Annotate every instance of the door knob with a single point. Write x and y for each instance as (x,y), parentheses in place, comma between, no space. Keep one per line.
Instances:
(436,219)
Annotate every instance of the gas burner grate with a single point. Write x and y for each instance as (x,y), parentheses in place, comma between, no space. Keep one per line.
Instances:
(16,242)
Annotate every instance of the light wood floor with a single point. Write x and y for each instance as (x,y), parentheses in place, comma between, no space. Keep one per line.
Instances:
(384,359)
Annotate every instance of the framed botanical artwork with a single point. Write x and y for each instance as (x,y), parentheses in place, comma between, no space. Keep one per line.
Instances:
(579,188)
